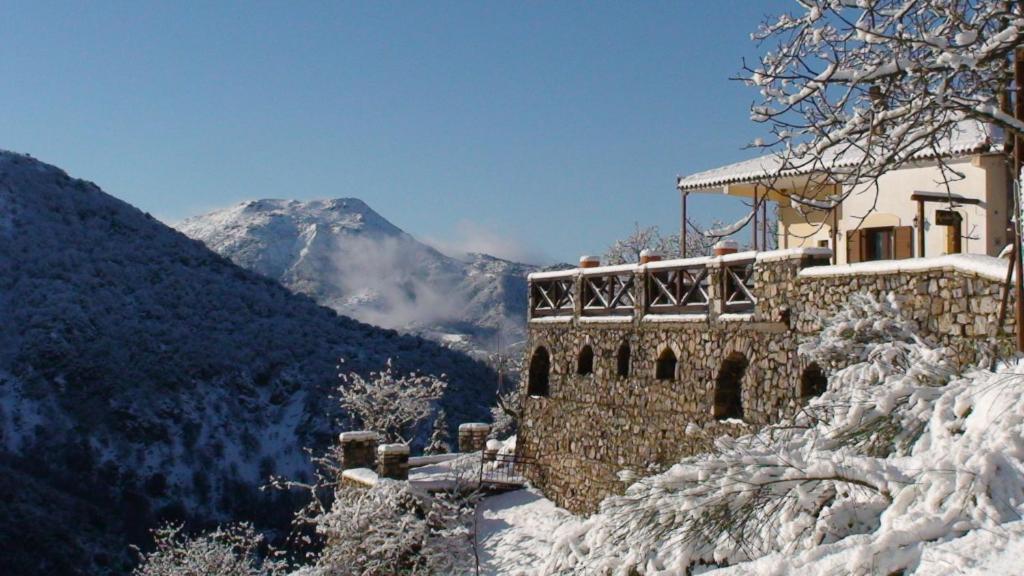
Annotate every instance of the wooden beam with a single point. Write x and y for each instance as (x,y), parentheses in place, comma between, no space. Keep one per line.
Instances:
(920,228)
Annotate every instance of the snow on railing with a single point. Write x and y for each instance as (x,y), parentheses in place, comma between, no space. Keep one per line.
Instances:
(689,286)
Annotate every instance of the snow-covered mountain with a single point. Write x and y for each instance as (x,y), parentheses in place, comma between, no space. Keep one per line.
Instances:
(348,257)
(144,377)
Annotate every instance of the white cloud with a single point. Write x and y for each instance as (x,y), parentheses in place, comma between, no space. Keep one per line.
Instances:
(468,236)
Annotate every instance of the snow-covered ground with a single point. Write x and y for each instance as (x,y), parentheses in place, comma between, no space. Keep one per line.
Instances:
(515,531)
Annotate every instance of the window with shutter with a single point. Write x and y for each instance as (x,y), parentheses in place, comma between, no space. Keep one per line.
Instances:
(903,242)
(854,246)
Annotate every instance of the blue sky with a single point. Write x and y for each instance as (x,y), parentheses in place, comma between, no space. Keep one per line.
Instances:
(536,130)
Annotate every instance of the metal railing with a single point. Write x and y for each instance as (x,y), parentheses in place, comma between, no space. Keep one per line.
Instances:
(504,471)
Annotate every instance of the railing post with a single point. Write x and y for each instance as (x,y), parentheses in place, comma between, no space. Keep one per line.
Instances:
(639,293)
(716,289)
(577,290)
(358,449)
(473,436)
(393,461)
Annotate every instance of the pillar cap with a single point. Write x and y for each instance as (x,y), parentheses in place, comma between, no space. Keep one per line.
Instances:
(474,427)
(353,435)
(393,449)
(648,255)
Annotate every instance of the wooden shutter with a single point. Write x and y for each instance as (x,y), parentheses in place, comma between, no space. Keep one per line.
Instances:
(903,242)
(854,246)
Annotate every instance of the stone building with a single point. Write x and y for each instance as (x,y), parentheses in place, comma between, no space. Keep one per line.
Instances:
(632,367)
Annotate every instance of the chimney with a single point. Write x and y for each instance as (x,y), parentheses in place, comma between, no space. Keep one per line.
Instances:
(589,261)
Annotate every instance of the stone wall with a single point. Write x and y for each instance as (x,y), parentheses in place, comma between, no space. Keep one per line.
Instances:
(951,305)
(591,427)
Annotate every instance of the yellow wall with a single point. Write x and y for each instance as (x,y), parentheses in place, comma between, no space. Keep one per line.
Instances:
(890,205)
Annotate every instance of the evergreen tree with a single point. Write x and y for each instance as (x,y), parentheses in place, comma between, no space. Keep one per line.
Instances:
(439,437)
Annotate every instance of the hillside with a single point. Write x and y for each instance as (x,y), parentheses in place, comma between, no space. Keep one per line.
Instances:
(145,377)
(348,257)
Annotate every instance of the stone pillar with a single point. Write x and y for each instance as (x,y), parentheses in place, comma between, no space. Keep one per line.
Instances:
(473,436)
(393,461)
(492,449)
(358,449)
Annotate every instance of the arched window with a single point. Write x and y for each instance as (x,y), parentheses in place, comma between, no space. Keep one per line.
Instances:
(585,362)
(540,369)
(813,381)
(622,360)
(729,387)
(665,367)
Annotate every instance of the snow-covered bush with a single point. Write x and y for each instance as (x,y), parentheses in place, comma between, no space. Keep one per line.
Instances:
(390,404)
(899,451)
(438,443)
(393,529)
(232,551)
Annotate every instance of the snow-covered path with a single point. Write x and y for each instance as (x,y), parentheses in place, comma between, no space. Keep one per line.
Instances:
(515,531)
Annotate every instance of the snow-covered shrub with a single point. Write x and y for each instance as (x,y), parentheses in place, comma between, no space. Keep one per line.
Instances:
(231,551)
(438,443)
(393,529)
(900,450)
(390,404)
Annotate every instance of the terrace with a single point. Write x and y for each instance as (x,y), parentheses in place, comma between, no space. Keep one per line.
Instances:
(727,286)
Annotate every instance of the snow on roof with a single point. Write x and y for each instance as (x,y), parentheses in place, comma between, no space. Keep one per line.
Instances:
(970,136)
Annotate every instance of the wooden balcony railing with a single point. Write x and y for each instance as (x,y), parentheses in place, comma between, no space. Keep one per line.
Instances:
(709,286)
(738,287)
(552,296)
(609,294)
(681,290)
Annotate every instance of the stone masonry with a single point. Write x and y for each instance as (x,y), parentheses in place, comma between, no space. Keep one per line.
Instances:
(590,427)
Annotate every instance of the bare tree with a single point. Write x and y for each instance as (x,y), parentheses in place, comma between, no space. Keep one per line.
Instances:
(230,551)
(699,242)
(851,90)
(390,404)
(506,411)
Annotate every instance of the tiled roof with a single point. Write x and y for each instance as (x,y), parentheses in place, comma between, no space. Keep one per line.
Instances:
(971,136)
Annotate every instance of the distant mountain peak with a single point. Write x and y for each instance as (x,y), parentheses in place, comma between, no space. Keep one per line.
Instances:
(346,256)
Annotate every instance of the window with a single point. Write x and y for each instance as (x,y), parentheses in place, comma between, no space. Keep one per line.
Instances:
(622,360)
(729,387)
(665,367)
(881,243)
(540,369)
(585,362)
(813,381)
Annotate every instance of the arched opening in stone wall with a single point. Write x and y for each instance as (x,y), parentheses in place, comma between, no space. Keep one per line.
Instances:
(585,362)
(622,360)
(813,381)
(665,367)
(729,387)
(540,370)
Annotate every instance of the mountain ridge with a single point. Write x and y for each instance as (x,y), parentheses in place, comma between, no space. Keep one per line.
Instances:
(148,378)
(348,257)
